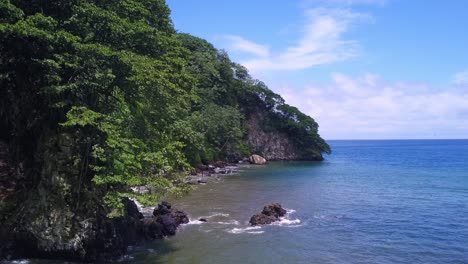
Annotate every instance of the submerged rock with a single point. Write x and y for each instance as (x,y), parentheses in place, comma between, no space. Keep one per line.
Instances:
(257,159)
(270,213)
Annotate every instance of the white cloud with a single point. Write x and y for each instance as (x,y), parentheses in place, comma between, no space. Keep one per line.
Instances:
(369,107)
(461,78)
(345,2)
(241,44)
(322,42)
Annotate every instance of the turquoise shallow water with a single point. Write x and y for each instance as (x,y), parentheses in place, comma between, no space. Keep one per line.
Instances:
(369,202)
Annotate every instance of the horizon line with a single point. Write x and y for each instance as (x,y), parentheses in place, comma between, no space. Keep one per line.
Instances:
(394,139)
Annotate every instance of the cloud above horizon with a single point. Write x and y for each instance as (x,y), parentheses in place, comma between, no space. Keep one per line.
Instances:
(373,108)
(322,42)
(363,106)
(346,2)
(460,78)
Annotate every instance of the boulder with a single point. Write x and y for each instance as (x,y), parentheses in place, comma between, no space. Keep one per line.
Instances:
(257,159)
(164,222)
(270,213)
(262,219)
(274,210)
(151,229)
(132,209)
(169,218)
(202,220)
(180,217)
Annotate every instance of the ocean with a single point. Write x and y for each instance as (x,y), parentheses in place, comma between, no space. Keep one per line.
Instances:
(395,201)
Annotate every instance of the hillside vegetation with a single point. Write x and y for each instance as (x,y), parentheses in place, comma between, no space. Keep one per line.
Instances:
(97,97)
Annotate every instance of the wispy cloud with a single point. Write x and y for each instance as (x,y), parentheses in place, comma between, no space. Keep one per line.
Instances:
(345,2)
(322,42)
(370,107)
(461,78)
(237,43)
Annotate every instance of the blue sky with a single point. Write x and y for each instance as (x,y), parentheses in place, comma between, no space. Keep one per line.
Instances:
(364,69)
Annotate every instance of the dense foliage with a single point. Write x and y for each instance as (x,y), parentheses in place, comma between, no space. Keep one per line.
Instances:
(144,102)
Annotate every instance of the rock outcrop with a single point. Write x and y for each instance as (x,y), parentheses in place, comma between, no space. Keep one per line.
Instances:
(99,239)
(270,213)
(257,159)
(273,144)
(169,218)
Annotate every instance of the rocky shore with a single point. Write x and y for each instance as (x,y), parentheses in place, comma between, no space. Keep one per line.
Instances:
(106,243)
(106,239)
(212,171)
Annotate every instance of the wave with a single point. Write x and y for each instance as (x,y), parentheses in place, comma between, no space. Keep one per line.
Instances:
(248,230)
(287,221)
(230,222)
(18,261)
(194,222)
(217,214)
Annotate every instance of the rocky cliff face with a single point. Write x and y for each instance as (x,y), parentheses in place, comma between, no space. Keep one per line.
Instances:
(273,145)
(57,214)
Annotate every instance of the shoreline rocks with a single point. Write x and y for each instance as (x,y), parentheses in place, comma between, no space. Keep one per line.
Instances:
(270,213)
(103,239)
(204,173)
(257,159)
(164,222)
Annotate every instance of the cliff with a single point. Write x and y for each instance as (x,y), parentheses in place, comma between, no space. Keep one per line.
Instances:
(274,144)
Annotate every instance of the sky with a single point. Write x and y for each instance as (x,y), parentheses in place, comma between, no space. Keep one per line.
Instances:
(363,69)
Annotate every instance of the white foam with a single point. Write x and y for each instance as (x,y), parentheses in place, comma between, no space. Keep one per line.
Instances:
(287,222)
(145,210)
(20,261)
(125,258)
(245,230)
(217,214)
(256,232)
(194,222)
(231,222)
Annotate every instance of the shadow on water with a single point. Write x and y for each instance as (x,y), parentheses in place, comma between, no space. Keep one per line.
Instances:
(155,252)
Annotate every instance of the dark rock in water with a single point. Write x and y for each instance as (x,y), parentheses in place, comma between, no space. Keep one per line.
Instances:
(151,229)
(270,213)
(262,219)
(132,209)
(168,223)
(169,218)
(202,220)
(162,209)
(274,210)
(180,217)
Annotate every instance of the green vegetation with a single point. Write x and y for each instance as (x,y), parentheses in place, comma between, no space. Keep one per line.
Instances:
(143,103)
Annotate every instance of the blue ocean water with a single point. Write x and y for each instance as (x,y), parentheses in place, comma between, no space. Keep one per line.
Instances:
(369,202)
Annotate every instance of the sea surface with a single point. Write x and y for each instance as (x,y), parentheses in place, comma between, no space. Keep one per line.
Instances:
(369,202)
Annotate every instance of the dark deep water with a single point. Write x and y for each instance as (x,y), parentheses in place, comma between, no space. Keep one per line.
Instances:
(369,202)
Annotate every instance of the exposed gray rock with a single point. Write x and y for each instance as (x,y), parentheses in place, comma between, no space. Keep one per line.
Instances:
(257,159)
(273,145)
